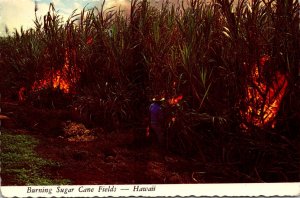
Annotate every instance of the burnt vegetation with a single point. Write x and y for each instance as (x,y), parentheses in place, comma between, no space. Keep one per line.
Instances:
(111,63)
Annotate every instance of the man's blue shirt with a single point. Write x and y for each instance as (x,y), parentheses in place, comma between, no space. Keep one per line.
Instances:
(156,114)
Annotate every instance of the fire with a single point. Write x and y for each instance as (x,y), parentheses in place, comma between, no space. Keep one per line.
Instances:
(174,101)
(59,79)
(263,101)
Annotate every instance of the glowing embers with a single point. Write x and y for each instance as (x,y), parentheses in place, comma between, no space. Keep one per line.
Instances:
(263,99)
(175,101)
(63,79)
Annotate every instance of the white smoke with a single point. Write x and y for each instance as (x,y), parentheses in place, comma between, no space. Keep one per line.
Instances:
(124,5)
(13,14)
(17,13)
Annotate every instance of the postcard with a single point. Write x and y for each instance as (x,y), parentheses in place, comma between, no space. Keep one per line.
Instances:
(149,98)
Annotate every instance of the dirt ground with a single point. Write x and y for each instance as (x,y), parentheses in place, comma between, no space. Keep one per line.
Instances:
(123,157)
(128,157)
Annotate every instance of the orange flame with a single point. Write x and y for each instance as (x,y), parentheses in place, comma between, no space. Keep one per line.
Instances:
(263,102)
(174,101)
(62,79)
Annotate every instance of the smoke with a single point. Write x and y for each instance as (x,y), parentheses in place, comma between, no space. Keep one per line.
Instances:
(16,14)
(124,5)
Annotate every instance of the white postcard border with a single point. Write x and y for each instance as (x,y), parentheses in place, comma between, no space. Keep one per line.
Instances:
(152,190)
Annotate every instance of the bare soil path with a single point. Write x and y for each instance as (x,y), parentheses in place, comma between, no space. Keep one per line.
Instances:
(127,157)
(123,157)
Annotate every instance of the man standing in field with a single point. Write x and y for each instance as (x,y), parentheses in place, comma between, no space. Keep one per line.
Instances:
(157,120)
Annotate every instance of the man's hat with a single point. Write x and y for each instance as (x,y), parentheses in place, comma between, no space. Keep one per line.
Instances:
(158,99)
